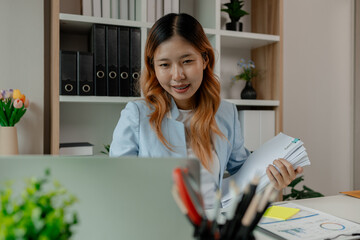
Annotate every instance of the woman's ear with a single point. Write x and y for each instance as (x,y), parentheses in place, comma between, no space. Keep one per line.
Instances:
(205,60)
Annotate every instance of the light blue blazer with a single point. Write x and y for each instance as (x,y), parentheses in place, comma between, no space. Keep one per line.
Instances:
(133,136)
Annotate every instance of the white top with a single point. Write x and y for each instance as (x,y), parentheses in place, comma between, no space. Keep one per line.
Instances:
(208,180)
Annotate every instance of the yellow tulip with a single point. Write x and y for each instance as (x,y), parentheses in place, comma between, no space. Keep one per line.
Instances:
(16,94)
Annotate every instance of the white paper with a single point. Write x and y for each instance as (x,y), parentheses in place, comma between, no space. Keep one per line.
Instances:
(309,224)
(281,146)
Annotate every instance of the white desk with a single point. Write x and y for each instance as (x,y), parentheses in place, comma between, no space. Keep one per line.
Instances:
(342,206)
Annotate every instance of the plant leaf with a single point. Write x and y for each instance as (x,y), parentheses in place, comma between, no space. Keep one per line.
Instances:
(296,181)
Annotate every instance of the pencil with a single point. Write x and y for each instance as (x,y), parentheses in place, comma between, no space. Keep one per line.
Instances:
(248,195)
(244,230)
(263,204)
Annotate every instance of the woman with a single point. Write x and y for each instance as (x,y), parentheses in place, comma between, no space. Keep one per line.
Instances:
(182,114)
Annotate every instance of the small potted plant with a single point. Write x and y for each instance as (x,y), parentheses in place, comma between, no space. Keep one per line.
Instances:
(13,105)
(248,72)
(39,212)
(306,192)
(234,9)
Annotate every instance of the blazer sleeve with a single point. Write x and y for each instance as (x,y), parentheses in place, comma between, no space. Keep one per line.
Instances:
(125,140)
(239,153)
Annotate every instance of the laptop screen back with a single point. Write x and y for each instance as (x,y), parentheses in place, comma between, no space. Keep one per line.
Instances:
(119,198)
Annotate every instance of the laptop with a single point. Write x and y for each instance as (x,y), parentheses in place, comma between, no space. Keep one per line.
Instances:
(119,198)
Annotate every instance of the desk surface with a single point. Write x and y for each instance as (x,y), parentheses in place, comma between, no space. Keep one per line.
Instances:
(342,206)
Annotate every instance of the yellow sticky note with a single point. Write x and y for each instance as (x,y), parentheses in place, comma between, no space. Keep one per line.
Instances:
(281,213)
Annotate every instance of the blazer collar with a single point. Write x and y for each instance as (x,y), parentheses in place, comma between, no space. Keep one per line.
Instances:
(174,111)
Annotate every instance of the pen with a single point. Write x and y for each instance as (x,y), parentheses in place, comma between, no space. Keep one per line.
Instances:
(244,232)
(175,194)
(214,226)
(243,205)
(267,197)
(235,196)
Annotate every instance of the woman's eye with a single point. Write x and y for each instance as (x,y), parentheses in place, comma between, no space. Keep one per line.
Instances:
(164,65)
(188,61)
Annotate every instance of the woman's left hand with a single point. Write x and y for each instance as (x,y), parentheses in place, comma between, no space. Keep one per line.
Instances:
(286,175)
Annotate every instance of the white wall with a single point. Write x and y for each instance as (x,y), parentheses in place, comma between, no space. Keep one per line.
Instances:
(318,88)
(22,65)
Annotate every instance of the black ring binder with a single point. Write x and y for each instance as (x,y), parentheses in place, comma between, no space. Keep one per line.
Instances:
(86,88)
(112,75)
(69,87)
(136,75)
(100,74)
(124,75)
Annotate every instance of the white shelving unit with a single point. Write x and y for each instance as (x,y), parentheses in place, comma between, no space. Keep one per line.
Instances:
(122,100)
(93,118)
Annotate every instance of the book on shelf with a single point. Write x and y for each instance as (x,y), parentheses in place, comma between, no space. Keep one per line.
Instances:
(132,10)
(96,7)
(167,7)
(175,6)
(85,77)
(68,70)
(71,6)
(124,9)
(76,149)
(159,9)
(115,9)
(105,8)
(87,8)
(151,11)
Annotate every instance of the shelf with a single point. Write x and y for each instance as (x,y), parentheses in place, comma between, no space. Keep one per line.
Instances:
(232,39)
(81,23)
(96,99)
(101,99)
(254,103)
(229,39)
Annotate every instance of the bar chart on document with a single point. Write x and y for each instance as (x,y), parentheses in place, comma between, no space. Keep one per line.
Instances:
(310,224)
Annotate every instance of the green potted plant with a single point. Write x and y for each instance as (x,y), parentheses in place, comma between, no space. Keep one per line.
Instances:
(13,105)
(234,9)
(248,72)
(306,192)
(39,213)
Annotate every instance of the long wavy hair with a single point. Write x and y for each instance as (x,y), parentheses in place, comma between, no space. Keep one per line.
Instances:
(202,125)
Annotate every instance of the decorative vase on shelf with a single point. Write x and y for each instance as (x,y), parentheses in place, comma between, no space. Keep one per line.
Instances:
(234,26)
(235,12)
(248,92)
(8,141)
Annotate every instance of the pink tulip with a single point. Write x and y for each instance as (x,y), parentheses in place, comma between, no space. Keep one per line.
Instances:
(26,103)
(17,103)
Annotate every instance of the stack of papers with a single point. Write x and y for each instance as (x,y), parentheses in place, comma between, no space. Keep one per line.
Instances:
(281,146)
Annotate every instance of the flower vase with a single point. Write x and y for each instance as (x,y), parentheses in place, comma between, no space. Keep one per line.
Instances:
(248,92)
(234,26)
(8,141)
